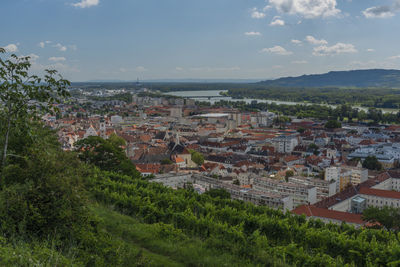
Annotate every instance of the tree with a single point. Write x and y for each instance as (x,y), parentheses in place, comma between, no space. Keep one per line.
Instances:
(166,161)
(372,163)
(25,96)
(236,182)
(389,217)
(288,174)
(332,124)
(106,154)
(197,157)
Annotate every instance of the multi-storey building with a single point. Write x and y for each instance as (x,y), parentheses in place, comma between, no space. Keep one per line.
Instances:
(301,194)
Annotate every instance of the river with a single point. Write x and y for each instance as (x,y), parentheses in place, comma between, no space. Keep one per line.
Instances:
(213,96)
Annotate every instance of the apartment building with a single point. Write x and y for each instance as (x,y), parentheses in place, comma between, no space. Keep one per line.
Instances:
(301,194)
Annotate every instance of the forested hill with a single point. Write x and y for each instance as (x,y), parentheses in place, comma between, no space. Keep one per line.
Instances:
(352,78)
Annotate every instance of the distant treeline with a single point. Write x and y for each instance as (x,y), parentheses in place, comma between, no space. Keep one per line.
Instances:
(342,112)
(367,97)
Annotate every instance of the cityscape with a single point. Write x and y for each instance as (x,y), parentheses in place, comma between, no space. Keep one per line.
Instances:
(200,133)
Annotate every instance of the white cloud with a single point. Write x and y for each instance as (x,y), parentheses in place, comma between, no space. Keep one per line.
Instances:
(61,47)
(73,47)
(314,41)
(299,62)
(86,3)
(297,42)
(370,50)
(11,48)
(339,48)
(277,21)
(41,44)
(179,69)
(255,14)
(307,8)
(252,33)
(382,11)
(140,69)
(33,57)
(394,57)
(57,59)
(267,7)
(278,50)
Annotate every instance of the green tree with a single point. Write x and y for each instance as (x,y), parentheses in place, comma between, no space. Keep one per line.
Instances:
(333,124)
(106,154)
(166,162)
(372,163)
(388,217)
(288,174)
(197,158)
(25,96)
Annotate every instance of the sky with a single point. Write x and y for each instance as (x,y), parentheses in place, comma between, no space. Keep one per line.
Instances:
(201,39)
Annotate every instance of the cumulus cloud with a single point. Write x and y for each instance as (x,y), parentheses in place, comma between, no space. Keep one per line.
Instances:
(370,50)
(252,33)
(278,50)
(255,14)
(382,11)
(297,42)
(61,47)
(86,3)
(339,48)
(11,48)
(307,8)
(57,59)
(41,44)
(314,41)
(277,21)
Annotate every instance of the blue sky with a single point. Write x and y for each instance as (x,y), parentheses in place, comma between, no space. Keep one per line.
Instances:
(157,39)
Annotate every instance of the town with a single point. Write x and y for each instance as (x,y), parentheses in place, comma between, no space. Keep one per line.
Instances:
(307,166)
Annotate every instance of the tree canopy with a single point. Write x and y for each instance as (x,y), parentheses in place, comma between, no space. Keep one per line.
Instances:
(372,163)
(107,154)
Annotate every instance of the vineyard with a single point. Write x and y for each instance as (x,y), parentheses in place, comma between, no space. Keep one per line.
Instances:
(256,235)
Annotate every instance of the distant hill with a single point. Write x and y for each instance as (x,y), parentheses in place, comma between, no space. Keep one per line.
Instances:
(352,78)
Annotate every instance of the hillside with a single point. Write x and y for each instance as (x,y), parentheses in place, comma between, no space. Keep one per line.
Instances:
(352,78)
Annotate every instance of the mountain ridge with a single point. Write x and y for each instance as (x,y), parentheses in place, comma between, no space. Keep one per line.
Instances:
(350,78)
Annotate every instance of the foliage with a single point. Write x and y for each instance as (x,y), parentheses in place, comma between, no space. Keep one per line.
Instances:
(197,157)
(321,112)
(332,124)
(288,174)
(166,162)
(25,96)
(389,217)
(372,163)
(106,154)
(261,235)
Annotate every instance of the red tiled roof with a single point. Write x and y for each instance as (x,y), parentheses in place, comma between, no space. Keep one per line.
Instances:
(380,193)
(312,211)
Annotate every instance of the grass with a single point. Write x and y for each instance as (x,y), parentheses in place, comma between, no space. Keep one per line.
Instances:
(175,250)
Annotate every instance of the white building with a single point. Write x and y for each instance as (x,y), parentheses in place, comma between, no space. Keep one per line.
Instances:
(285,143)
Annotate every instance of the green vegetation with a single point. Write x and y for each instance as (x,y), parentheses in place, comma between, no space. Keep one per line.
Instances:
(106,154)
(332,124)
(197,157)
(91,208)
(376,97)
(372,163)
(321,112)
(388,217)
